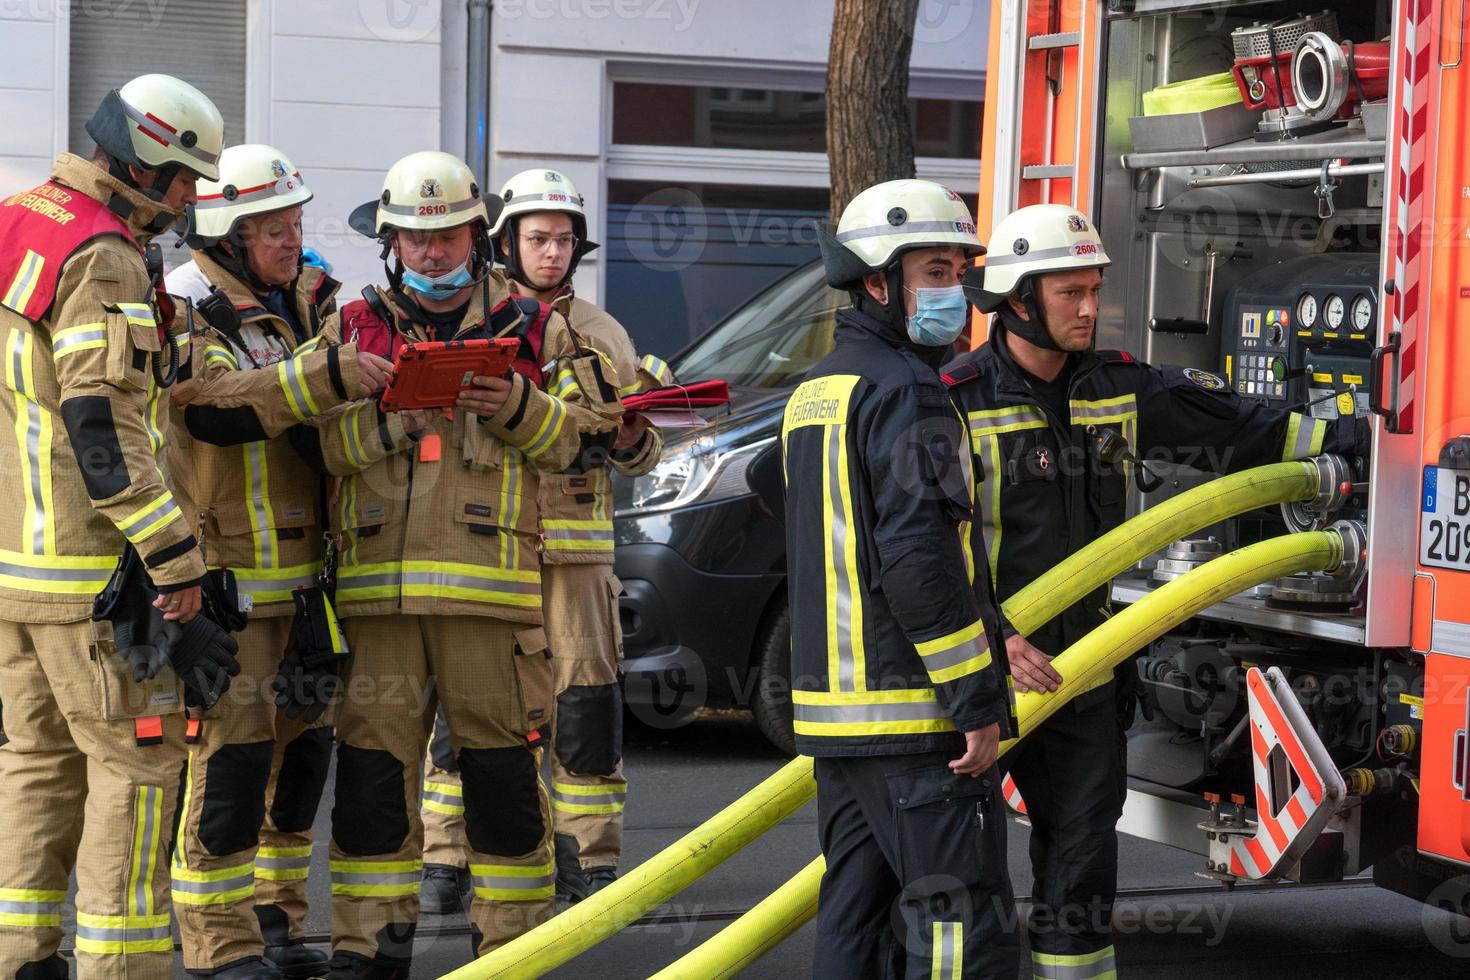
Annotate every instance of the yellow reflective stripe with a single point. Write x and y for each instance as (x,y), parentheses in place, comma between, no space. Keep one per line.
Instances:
(258,503)
(31,907)
(382,879)
(658,369)
(215,354)
(296,389)
(150,416)
(352,438)
(1099,965)
(1093,411)
(909,711)
(514,883)
(432,579)
(33,436)
(510,505)
(947,951)
(600,798)
(220,886)
(1012,418)
(23,286)
(266,585)
(563,384)
(957,655)
(283,863)
(446,809)
(448,789)
(854,625)
(59,574)
(149,519)
(550,428)
(334,628)
(139,313)
(86,336)
(597,789)
(147,837)
(123,934)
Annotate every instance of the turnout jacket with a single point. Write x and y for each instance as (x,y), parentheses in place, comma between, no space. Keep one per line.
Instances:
(255,501)
(893,644)
(1043,490)
(84,415)
(447,521)
(576,506)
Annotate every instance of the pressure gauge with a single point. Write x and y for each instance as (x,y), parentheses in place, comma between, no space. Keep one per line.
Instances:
(1306,311)
(1336,310)
(1362,313)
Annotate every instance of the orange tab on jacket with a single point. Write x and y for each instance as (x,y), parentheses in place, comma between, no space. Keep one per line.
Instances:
(149,730)
(429,448)
(191,730)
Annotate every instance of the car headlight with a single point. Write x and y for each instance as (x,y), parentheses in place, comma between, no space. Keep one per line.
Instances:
(700,472)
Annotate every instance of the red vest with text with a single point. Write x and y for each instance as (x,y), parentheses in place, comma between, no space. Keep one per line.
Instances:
(40,229)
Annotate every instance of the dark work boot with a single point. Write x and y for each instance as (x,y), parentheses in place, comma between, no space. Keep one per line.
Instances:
(250,968)
(599,878)
(355,966)
(571,883)
(297,961)
(445,889)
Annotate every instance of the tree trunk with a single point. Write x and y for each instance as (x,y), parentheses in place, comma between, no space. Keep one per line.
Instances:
(869,131)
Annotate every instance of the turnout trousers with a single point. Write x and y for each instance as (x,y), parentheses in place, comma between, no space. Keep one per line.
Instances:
(492,680)
(254,782)
(90,776)
(916,884)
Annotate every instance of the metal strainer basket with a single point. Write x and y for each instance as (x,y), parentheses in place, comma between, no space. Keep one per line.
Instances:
(1256,40)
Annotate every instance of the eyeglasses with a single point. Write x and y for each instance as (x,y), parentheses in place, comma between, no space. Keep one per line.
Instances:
(539,243)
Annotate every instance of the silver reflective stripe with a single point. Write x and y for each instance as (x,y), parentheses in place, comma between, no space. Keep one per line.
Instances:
(28,272)
(955,655)
(523,198)
(155,515)
(859,713)
(1038,254)
(439,579)
(604,799)
(944,955)
(243,198)
(514,884)
(565,535)
(55,574)
(66,343)
(101,935)
(992,423)
(1305,433)
(413,209)
(275,584)
(1087,971)
(245,879)
(259,508)
(399,878)
(1104,411)
(38,498)
(168,137)
(347,580)
(142,890)
(444,798)
(838,543)
(30,908)
(282,863)
(292,369)
(907,228)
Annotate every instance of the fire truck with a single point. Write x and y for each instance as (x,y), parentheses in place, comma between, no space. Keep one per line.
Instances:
(1305,235)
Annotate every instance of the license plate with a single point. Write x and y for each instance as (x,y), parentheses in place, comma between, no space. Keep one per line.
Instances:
(1444,520)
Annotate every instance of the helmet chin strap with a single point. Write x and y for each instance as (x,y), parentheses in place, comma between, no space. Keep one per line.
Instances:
(1032,330)
(891,312)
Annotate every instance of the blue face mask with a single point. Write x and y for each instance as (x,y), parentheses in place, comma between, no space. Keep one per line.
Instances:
(439,287)
(940,315)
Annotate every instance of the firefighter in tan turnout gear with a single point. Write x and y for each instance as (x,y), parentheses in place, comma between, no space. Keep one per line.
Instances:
(256,773)
(438,579)
(96,724)
(540,236)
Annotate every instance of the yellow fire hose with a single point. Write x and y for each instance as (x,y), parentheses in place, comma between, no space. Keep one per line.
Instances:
(1102,650)
(594,919)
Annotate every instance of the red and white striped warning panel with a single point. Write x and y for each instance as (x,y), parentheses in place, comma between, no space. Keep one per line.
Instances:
(1283,742)
(1012,793)
(1411,150)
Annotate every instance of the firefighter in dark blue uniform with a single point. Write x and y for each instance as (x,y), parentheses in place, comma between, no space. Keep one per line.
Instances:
(1055,428)
(898,686)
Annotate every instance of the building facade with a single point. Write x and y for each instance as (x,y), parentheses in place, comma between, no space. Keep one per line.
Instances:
(694,128)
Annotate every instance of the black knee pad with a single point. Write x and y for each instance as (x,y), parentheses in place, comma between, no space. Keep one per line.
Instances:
(439,748)
(589,729)
(303,776)
(369,815)
(235,778)
(502,801)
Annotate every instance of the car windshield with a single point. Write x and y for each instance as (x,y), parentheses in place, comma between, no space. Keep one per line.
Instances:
(771,341)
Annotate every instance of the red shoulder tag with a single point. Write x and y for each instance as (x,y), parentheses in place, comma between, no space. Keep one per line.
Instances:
(960,374)
(362,326)
(40,229)
(1115,356)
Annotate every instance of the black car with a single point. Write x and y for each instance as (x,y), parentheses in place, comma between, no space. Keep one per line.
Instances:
(701,548)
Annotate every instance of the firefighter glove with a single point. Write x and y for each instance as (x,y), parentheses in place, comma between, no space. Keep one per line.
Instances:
(310,676)
(203,655)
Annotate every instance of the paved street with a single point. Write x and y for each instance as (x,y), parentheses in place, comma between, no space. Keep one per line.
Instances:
(678,778)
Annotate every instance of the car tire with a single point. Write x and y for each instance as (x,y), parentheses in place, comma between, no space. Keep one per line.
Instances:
(770,702)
